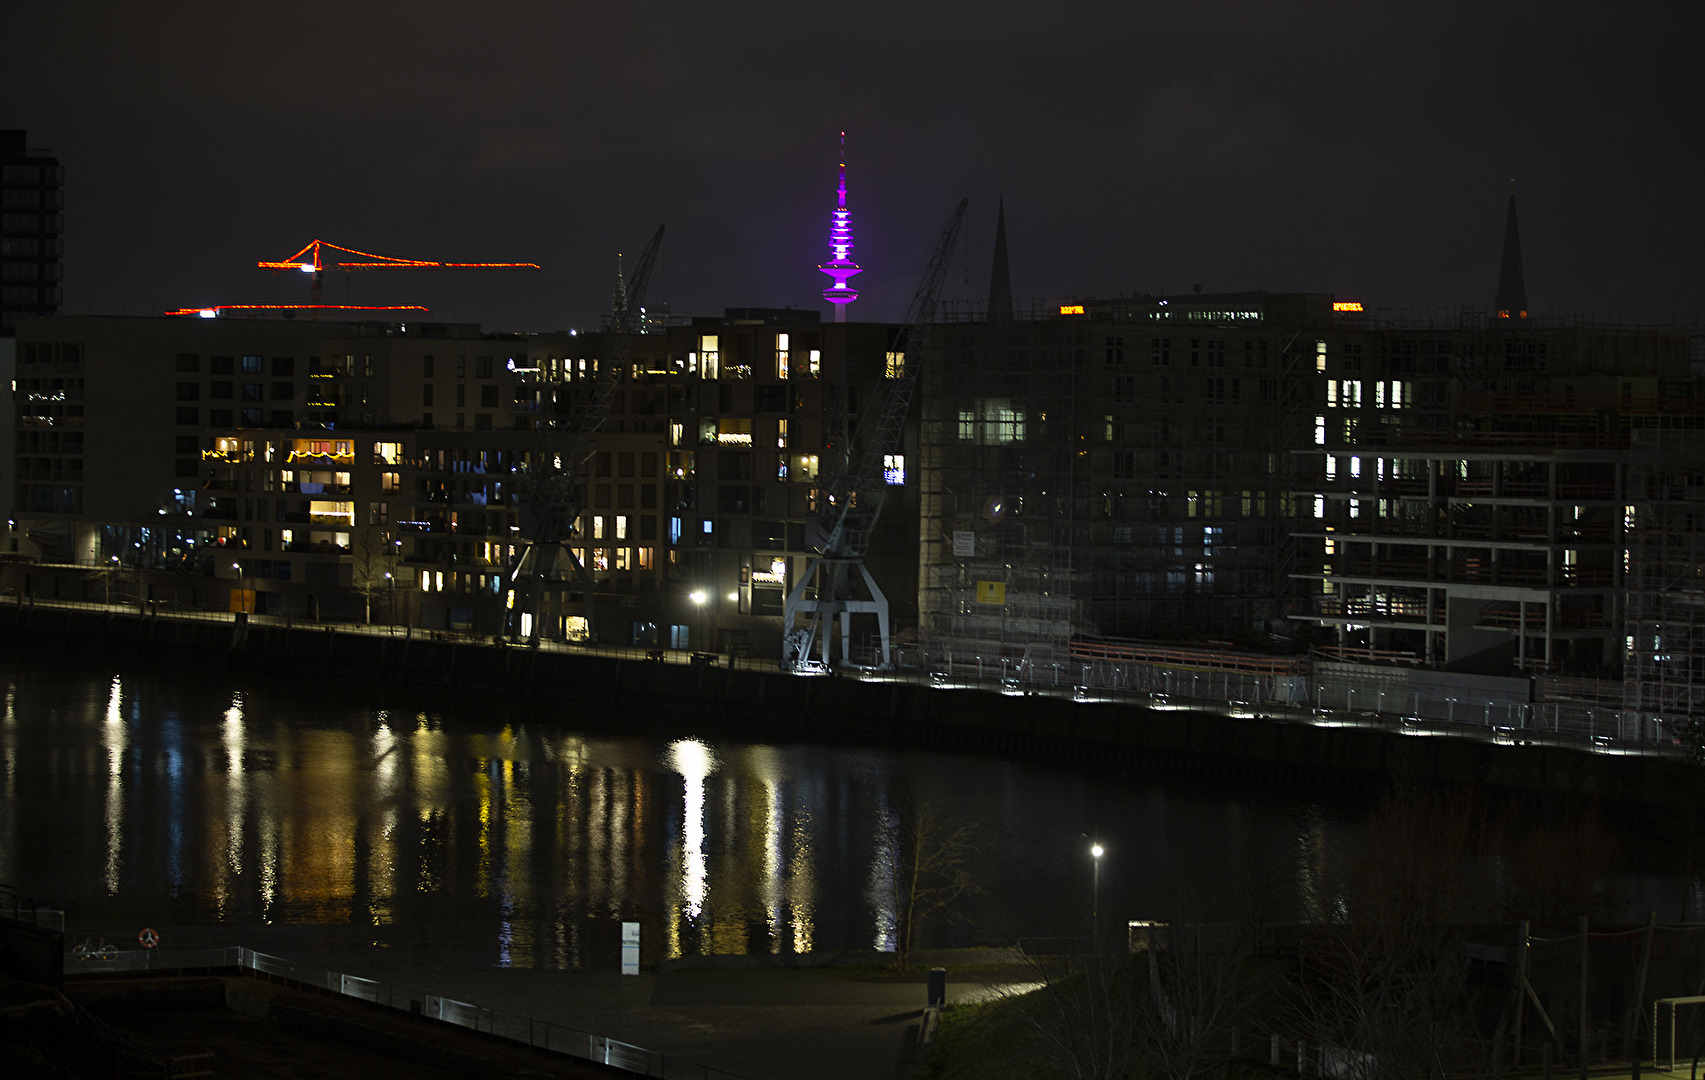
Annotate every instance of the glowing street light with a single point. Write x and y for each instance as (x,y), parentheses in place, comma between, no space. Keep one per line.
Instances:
(697,596)
(1096,851)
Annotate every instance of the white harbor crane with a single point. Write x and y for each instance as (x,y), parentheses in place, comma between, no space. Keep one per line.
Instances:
(828,594)
(554,482)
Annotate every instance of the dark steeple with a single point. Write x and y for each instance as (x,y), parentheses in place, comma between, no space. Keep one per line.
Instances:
(1512,287)
(1000,281)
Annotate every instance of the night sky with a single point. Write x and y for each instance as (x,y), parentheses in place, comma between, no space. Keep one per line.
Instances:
(1363,149)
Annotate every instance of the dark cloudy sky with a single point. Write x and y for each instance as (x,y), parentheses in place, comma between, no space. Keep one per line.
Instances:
(1359,148)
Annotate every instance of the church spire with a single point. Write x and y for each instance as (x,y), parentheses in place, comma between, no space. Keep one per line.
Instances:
(1000,278)
(1511,302)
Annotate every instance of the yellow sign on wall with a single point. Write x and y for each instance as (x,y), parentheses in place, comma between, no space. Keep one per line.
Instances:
(991,592)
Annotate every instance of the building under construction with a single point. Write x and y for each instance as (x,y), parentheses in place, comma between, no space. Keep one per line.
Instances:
(1469,493)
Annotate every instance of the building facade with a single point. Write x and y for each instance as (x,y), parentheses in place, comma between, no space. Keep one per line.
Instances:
(31,225)
(310,468)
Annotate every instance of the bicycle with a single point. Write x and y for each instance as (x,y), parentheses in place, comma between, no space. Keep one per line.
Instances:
(95,949)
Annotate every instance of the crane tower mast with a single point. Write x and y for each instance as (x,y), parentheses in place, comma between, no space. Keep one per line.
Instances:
(551,498)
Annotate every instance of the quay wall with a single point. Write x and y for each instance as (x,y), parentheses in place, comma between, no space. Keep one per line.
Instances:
(716,700)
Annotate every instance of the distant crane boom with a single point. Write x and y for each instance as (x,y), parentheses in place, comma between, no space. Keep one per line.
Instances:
(311,260)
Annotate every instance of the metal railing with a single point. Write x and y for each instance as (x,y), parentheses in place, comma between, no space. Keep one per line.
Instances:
(523,1030)
(19,908)
(1275,695)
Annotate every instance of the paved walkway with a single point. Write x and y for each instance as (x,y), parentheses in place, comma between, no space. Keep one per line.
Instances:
(758,1023)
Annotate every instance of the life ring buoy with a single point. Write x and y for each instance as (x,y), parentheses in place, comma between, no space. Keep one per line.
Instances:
(149,938)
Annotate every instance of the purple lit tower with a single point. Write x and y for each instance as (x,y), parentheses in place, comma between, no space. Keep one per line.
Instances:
(840,265)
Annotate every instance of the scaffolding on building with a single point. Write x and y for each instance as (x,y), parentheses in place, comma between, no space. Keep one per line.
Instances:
(1000,499)
(1664,672)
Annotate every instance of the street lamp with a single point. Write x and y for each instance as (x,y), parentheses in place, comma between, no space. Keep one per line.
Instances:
(698,597)
(1096,851)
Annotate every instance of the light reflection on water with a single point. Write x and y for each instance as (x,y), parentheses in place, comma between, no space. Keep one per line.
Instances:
(113,739)
(266,806)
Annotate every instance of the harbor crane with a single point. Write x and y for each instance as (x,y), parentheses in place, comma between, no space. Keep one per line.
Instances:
(554,482)
(311,260)
(827,594)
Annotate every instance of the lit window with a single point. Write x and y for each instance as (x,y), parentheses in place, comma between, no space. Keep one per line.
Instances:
(781,434)
(734,432)
(782,356)
(893,468)
(816,362)
(896,365)
(326,512)
(622,556)
(647,558)
(598,527)
(710,356)
(621,527)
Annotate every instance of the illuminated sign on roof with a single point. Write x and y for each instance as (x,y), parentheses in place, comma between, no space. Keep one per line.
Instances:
(1346,305)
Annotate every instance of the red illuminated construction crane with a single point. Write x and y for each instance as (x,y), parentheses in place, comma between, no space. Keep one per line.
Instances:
(310,260)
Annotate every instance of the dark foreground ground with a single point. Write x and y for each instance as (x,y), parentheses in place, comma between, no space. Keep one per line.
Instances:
(837,1023)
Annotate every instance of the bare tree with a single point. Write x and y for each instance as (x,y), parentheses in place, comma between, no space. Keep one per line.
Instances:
(1078,1014)
(1379,988)
(931,871)
(1201,984)
(1555,865)
(373,562)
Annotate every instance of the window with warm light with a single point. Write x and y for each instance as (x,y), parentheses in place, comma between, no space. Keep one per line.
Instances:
(895,365)
(710,356)
(783,356)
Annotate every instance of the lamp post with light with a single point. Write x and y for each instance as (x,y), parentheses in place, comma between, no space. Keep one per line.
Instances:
(699,597)
(1096,851)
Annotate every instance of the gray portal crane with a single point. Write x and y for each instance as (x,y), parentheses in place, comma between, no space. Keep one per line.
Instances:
(554,482)
(828,593)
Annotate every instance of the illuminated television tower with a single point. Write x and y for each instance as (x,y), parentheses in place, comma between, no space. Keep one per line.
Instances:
(840,265)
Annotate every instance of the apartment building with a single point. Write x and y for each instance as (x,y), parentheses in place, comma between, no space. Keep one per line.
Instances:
(316,468)
(1475,503)
(1120,469)
(31,226)
(1457,491)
